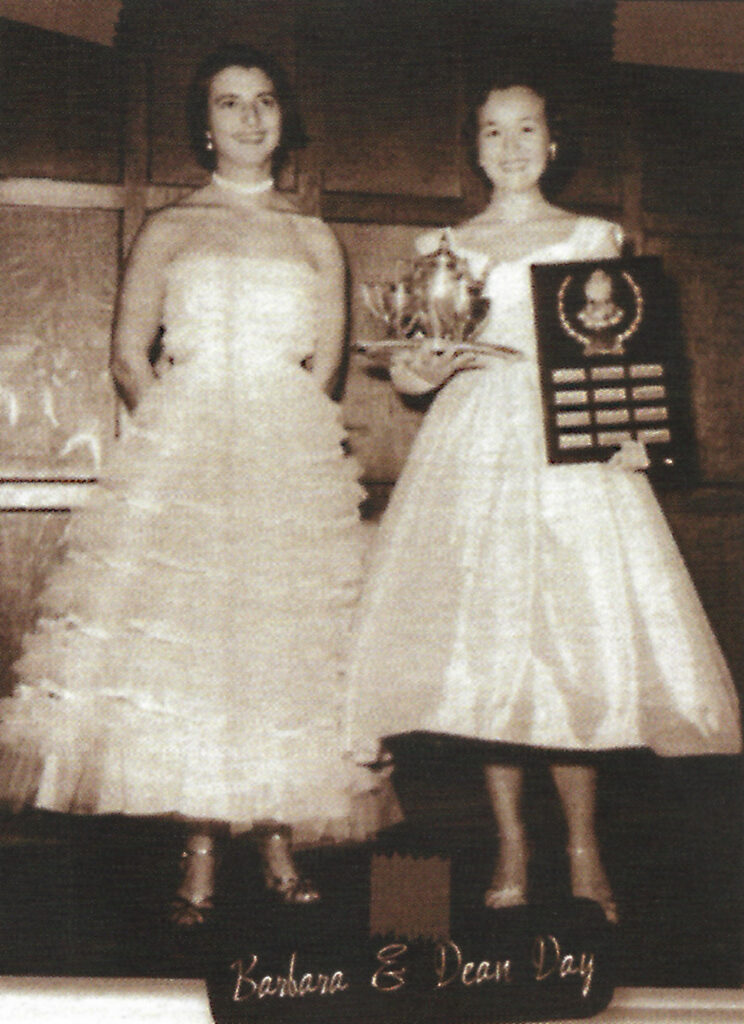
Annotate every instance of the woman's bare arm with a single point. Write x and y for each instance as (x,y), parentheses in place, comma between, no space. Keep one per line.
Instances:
(139,310)
(331,315)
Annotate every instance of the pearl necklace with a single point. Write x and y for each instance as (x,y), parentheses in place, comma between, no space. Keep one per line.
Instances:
(239,188)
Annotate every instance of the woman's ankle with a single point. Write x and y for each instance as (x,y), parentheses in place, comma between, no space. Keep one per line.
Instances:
(198,867)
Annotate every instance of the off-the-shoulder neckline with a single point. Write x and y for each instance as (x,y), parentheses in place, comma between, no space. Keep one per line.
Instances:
(530,257)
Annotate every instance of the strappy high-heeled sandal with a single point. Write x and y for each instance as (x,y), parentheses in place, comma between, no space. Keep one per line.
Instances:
(499,896)
(193,903)
(589,881)
(280,873)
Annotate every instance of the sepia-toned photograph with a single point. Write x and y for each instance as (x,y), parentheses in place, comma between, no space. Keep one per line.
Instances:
(371,511)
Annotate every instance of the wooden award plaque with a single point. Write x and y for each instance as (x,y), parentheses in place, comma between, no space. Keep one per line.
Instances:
(612,364)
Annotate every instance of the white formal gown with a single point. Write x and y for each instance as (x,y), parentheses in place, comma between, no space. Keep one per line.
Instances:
(188,653)
(515,601)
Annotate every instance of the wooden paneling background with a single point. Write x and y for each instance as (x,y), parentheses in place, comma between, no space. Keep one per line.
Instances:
(61,106)
(93,136)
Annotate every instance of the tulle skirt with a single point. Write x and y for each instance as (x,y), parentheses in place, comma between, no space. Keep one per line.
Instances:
(187,657)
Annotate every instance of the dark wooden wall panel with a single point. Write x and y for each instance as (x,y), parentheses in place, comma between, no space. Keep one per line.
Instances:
(691,123)
(706,270)
(391,97)
(60,106)
(709,528)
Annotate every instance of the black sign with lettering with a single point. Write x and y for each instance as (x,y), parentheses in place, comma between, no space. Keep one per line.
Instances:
(612,365)
(324,962)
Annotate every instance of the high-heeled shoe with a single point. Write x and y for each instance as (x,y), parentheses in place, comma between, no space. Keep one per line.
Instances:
(589,881)
(501,897)
(509,886)
(193,903)
(280,872)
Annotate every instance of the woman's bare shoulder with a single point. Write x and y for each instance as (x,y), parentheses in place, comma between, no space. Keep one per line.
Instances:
(163,231)
(318,237)
(283,203)
(604,238)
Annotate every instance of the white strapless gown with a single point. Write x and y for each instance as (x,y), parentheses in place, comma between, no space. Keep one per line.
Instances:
(516,601)
(187,658)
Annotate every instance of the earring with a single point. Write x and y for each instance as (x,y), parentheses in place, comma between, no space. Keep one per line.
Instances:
(208,144)
(552,150)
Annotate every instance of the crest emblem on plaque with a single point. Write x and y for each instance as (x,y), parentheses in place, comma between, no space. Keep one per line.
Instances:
(601,309)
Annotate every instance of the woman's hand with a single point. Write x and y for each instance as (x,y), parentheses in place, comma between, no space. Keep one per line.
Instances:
(631,455)
(427,368)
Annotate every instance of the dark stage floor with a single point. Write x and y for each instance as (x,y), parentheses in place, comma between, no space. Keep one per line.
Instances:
(87,896)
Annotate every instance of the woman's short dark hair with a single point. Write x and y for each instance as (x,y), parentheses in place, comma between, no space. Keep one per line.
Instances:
(197,104)
(562,132)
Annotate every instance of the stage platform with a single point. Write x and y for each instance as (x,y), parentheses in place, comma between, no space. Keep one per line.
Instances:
(83,899)
(150,1001)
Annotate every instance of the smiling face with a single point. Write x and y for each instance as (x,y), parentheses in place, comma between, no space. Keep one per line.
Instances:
(513,138)
(245,119)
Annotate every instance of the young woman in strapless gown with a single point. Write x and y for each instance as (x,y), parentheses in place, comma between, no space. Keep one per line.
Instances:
(511,600)
(186,659)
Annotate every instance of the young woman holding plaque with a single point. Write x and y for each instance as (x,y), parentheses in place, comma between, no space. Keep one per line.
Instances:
(515,601)
(186,660)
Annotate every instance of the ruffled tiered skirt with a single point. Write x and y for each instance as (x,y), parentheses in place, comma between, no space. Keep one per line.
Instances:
(187,657)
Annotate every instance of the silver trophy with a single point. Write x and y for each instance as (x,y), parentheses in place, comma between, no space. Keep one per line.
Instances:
(436,301)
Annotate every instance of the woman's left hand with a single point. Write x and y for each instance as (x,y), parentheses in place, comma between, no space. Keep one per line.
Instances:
(429,367)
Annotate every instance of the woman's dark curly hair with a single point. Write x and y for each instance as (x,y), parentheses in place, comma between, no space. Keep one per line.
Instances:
(562,133)
(197,104)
